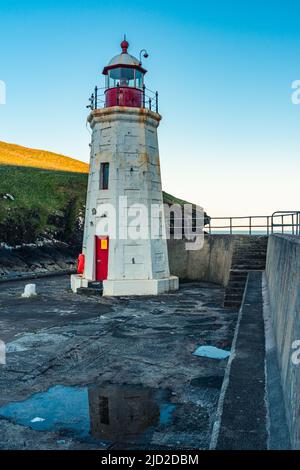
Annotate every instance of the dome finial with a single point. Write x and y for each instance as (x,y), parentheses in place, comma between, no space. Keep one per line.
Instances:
(124,45)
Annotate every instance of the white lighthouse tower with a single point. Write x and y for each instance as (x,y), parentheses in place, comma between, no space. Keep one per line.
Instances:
(124,177)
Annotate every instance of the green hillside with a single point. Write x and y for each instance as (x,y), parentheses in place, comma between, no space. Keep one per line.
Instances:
(44,203)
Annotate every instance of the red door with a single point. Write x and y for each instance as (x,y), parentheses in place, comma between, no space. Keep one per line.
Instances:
(101,258)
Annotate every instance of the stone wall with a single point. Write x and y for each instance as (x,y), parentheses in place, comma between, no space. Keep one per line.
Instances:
(283,278)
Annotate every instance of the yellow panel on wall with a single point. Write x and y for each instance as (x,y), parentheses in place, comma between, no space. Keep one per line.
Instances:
(104,244)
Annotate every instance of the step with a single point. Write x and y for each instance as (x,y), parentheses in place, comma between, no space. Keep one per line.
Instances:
(237,272)
(234,290)
(261,243)
(250,241)
(89,291)
(250,262)
(249,255)
(244,265)
(95,284)
(258,247)
(232,304)
(253,239)
(250,267)
(251,248)
(247,261)
(241,280)
(236,284)
(241,276)
(253,255)
(240,284)
(237,297)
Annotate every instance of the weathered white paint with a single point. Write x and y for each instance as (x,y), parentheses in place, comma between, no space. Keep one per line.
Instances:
(126,138)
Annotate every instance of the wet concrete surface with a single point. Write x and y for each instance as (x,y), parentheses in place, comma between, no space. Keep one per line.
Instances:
(130,354)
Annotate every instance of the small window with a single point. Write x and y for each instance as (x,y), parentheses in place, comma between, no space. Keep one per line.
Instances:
(104,175)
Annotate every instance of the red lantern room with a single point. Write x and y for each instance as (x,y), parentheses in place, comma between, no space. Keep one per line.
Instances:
(124,80)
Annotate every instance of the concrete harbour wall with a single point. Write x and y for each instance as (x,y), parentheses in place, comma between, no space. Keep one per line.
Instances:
(212,263)
(283,278)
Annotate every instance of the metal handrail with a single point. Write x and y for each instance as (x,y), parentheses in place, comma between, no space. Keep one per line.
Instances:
(295,215)
(269,225)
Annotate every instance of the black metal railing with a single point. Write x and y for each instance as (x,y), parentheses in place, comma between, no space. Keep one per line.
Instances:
(285,222)
(149,99)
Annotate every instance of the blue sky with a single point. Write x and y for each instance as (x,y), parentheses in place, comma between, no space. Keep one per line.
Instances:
(230,135)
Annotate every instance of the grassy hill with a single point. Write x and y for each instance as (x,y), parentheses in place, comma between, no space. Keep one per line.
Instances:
(11,154)
(46,204)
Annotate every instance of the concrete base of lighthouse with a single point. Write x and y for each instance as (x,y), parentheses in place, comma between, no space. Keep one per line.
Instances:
(126,287)
(140,287)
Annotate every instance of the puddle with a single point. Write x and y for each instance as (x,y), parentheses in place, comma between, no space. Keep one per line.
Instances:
(109,412)
(60,408)
(211,352)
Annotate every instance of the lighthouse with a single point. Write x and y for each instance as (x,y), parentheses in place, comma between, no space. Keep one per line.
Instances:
(124,195)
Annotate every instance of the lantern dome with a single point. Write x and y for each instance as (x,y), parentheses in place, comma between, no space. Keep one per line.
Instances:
(123,59)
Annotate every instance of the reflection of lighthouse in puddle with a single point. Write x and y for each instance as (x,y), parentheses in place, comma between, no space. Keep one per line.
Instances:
(121,412)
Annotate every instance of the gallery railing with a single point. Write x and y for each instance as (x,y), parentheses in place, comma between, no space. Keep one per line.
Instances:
(149,99)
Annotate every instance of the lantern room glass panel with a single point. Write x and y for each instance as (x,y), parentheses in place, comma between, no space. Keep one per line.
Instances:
(124,77)
(139,79)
